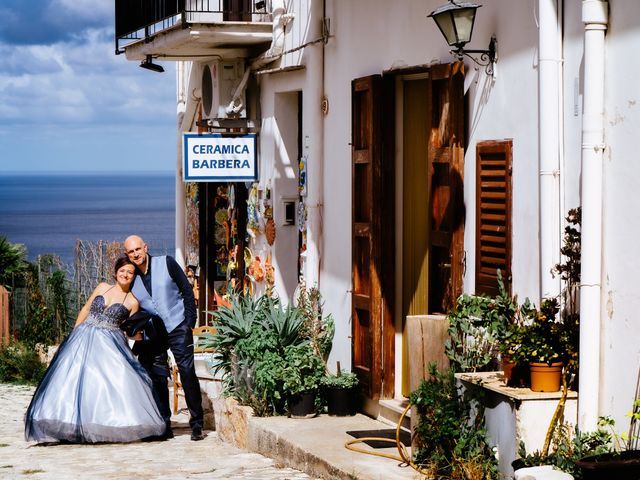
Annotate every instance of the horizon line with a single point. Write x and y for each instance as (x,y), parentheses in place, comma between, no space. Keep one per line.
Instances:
(83,172)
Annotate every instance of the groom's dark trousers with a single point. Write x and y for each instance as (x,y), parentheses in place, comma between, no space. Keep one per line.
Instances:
(152,354)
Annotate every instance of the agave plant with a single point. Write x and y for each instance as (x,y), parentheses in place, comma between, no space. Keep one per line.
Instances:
(285,323)
(232,324)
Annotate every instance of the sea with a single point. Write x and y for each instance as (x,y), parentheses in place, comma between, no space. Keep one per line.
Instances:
(48,213)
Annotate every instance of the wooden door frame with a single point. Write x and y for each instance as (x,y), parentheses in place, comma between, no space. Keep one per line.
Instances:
(382,328)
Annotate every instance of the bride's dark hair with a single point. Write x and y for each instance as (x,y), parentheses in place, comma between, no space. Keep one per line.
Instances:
(122,261)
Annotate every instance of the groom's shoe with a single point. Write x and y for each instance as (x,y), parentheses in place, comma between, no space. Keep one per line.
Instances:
(197,434)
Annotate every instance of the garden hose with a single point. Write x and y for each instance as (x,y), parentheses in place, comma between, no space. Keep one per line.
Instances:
(404,457)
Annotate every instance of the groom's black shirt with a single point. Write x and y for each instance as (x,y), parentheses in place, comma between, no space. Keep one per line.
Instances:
(180,279)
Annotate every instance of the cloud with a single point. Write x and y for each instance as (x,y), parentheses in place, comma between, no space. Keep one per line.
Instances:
(61,80)
(33,22)
(76,82)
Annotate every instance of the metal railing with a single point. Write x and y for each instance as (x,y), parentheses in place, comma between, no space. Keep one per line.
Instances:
(142,19)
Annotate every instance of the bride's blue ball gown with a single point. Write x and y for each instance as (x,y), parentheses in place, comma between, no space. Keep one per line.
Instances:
(95,390)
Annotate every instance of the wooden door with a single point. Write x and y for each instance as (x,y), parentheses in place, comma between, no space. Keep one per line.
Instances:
(373,329)
(446,165)
(493,215)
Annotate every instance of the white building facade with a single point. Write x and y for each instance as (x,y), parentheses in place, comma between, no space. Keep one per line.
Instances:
(374,144)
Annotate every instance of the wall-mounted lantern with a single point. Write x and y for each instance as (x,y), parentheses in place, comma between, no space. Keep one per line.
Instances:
(455,21)
(148,64)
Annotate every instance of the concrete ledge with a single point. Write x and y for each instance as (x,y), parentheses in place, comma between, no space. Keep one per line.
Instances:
(516,414)
(315,446)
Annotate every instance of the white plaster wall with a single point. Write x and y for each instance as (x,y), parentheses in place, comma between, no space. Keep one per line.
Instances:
(370,37)
(506,108)
(278,168)
(621,228)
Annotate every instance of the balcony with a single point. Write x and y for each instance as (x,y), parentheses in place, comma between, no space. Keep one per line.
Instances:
(189,29)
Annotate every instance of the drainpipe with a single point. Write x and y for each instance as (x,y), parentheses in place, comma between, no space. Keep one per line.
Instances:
(313,141)
(595,19)
(188,96)
(549,112)
(180,192)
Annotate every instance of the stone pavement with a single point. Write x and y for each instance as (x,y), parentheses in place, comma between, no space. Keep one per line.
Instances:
(178,458)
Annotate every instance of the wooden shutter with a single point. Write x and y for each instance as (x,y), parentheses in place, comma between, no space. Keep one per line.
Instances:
(493,215)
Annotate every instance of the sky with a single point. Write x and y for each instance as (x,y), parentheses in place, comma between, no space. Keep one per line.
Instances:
(68,103)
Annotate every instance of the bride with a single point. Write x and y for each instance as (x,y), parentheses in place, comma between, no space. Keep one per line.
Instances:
(95,390)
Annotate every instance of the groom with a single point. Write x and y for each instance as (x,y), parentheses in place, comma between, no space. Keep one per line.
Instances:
(163,290)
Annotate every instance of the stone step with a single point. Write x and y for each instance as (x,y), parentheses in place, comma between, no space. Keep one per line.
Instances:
(391,410)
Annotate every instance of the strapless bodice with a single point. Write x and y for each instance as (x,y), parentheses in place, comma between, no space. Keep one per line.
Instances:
(106,316)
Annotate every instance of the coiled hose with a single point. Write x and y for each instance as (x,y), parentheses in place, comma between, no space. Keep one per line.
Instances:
(404,458)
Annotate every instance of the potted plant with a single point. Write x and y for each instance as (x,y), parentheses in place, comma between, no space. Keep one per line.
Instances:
(621,460)
(569,446)
(340,392)
(515,369)
(541,346)
(301,376)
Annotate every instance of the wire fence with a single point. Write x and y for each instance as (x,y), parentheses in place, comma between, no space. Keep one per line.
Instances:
(66,288)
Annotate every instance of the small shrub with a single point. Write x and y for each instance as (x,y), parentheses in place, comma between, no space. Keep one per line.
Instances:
(20,364)
(344,380)
(478,327)
(268,351)
(450,435)
(570,446)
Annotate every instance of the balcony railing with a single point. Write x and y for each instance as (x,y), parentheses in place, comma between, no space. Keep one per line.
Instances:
(141,19)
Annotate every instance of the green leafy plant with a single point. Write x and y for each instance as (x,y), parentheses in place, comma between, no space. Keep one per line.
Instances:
(570,445)
(450,435)
(40,326)
(541,338)
(286,324)
(232,324)
(569,271)
(478,328)
(303,369)
(20,363)
(267,351)
(12,260)
(472,339)
(344,380)
(268,396)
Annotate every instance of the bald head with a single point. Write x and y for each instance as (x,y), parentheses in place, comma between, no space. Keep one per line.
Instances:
(133,238)
(136,250)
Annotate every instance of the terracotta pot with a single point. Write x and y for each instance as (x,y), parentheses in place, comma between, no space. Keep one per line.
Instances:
(507,368)
(545,377)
